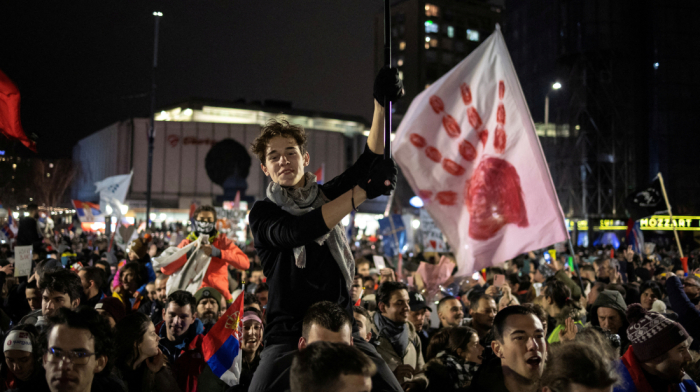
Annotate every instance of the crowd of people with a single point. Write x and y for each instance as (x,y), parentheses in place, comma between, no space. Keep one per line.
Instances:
(318,315)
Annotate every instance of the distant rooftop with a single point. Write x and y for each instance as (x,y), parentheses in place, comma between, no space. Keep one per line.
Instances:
(259,112)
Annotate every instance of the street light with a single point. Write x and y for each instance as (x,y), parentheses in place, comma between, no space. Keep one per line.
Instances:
(555,86)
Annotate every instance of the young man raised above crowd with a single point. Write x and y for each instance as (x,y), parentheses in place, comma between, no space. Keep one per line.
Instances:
(298,236)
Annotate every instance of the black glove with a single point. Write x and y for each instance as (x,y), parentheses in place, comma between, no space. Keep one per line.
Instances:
(388,84)
(380,172)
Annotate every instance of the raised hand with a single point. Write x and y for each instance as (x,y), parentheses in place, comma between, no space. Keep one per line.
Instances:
(570,332)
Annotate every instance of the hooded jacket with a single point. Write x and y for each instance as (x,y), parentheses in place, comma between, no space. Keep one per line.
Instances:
(189,363)
(612,299)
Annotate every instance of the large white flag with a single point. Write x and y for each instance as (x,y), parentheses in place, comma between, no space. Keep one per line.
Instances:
(468,148)
(113,192)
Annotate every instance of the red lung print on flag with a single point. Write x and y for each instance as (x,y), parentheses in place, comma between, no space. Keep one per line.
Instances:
(468,148)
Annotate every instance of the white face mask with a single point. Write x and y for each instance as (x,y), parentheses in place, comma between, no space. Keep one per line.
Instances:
(204,227)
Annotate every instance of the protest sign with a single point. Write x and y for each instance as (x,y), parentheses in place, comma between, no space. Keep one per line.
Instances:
(23,260)
(432,236)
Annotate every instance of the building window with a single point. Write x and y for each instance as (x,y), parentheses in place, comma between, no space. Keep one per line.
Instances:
(431,27)
(450,31)
(427,45)
(431,56)
(402,45)
(473,35)
(459,47)
(446,44)
(433,42)
(447,58)
(431,10)
(401,75)
(399,62)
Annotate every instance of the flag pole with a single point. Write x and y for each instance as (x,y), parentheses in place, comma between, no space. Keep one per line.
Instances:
(387,62)
(151,129)
(670,214)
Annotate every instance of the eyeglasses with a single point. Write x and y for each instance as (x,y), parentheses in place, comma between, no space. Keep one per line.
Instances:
(56,355)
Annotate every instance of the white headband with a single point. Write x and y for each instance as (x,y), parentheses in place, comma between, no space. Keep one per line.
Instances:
(18,340)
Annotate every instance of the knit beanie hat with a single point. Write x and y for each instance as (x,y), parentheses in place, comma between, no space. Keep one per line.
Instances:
(140,246)
(651,333)
(113,306)
(208,292)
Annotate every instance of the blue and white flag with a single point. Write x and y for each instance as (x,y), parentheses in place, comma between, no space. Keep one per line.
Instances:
(393,234)
(113,192)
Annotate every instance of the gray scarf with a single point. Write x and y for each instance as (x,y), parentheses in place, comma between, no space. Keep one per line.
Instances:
(305,199)
(396,333)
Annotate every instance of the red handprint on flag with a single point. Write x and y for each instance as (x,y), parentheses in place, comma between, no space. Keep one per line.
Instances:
(493,194)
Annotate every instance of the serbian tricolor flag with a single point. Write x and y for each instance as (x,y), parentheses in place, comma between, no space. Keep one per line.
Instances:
(320,173)
(468,147)
(10,124)
(222,347)
(88,212)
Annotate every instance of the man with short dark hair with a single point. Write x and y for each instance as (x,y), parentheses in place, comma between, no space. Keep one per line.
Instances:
(362,319)
(657,355)
(326,366)
(357,289)
(208,306)
(362,265)
(482,309)
(91,279)
(397,340)
(181,336)
(78,347)
(449,312)
(520,348)
(59,289)
(261,291)
(324,321)
(33,296)
(156,310)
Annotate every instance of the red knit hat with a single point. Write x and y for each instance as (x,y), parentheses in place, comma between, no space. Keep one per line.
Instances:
(652,334)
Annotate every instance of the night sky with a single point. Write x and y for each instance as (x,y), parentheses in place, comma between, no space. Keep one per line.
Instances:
(81,65)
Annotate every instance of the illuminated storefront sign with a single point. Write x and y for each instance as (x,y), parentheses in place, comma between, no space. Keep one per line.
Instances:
(664,222)
(652,223)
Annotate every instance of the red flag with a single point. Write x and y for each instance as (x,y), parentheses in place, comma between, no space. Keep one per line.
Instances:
(10,124)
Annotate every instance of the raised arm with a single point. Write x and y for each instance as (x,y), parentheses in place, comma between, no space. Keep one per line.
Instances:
(387,84)
(375,140)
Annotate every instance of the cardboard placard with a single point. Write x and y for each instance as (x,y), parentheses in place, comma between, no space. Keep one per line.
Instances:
(379,261)
(23,260)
